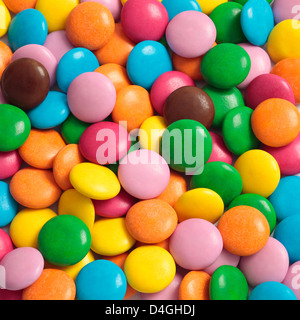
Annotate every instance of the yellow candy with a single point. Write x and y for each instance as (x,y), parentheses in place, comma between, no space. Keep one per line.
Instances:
(150,133)
(26,226)
(259,171)
(56,12)
(5,19)
(199,203)
(110,237)
(74,203)
(284,41)
(207,6)
(149,269)
(94,181)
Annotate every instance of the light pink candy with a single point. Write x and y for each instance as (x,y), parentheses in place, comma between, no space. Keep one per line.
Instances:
(114,6)
(285,10)
(292,279)
(271,263)
(10,163)
(191,34)
(260,63)
(219,150)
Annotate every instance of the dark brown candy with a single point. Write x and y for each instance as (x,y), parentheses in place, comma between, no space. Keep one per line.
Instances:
(25,83)
(189,103)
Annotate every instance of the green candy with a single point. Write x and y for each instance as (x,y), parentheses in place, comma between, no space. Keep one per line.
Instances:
(243,2)
(260,203)
(186,145)
(224,101)
(15,127)
(225,66)
(237,131)
(64,240)
(227,19)
(220,177)
(228,283)
(72,129)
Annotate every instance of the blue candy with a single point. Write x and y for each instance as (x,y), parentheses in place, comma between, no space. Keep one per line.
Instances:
(27,27)
(8,206)
(74,63)
(272,290)
(101,280)
(52,112)
(174,7)
(257,21)
(146,62)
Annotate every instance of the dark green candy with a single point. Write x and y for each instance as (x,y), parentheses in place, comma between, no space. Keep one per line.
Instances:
(72,129)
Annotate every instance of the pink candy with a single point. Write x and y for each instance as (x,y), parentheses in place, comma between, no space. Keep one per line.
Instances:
(292,279)
(10,163)
(114,6)
(6,244)
(219,150)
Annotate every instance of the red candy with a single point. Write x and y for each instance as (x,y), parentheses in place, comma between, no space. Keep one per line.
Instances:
(10,163)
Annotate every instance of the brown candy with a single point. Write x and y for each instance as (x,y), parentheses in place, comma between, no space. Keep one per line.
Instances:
(189,103)
(25,83)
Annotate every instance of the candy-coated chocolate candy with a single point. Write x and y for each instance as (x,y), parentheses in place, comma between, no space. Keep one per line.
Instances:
(5,19)
(25,83)
(10,163)
(101,280)
(10,294)
(191,34)
(208,6)
(197,104)
(189,66)
(225,66)
(175,7)
(72,129)
(23,266)
(64,240)
(228,283)
(94,181)
(272,290)
(285,10)
(5,54)
(149,269)
(224,259)
(114,6)
(195,244)
(220,177)
(292,277)
(243,2)
(219,150)
(19,5)
(6,244)
(237,131)
(195,286)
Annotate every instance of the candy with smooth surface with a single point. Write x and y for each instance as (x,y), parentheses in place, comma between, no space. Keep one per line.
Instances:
(10,163)
(19,5)
(208,6)
(285,10)
(5,54)
(219,150)
(224,259)
(195,286)
(175,7)
(5,19)
(6,244)
(114,6)
(272,290)
(292,278)
(72,129)
(189,66)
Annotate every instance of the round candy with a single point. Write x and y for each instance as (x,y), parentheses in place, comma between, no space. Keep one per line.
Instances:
(96,92)
(74,63)
(72,129)
(5,244)
(149,269)
(19,5)
(221,178)
(64,240)
(134,15)
(285,10)
(146,62)
(25,83)
(191,34)
(189,66)
(27,27)
(268,86)
(195,244)
(5,54)
(225,66)
(199,203)
(271,263)
(237,131)
(208,6)
(292,278)
(228,283)
(94,181)
(272,290)
(259,171)
(10,163)
(219,150)
(244,230)
(144,174)
(243,2)
(101,280)
(26,226)
(175,7)
(198,106)
(23,266)
(195,286)
(114,6)
(5,19)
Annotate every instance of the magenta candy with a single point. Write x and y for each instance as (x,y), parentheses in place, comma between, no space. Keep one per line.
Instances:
(219,150)
(165,84)
(104,142)
(115,207)
(6,244)
(292,279)
(91,97)
(271,263)
(144,20)
(23,266)
(267,86)
(285,10)
(114,6)
(195,244)
(10,295)
(144,174)
(10,163)
(2,99)
(191,34)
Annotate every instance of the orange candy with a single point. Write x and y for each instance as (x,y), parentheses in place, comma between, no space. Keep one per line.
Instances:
(64,162)
(34,188)
(17,6)
(5,57)
(151,221)
(189,66)
(41,148)
(276,122)
(116,73)
(133,105)
(195,286)
(289,69)
(52,284)
(163,244)
(117,49)
(90,25)
(245,230)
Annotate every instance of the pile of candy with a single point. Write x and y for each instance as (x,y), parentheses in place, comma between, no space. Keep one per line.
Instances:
(149,149)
